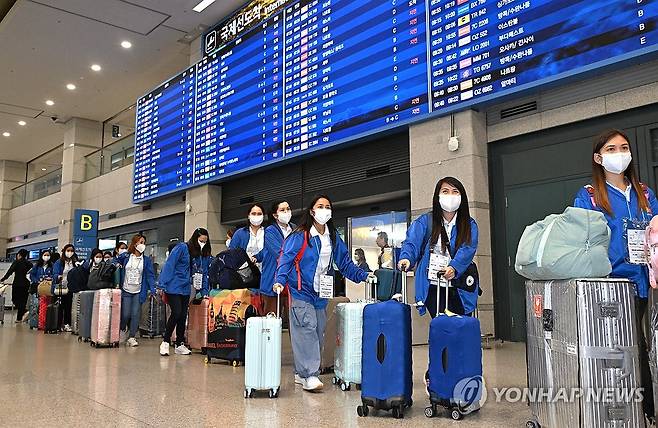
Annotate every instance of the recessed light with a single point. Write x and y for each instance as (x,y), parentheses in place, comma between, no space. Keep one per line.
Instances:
(96,67)
(43,169)
(22,122)
(6,134)
(50,102)
(70,87)
(202,5)
(126,44)
(72,144)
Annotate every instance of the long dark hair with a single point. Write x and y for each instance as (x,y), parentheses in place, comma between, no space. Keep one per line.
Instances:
(41,263)
(193,243)
(463,216)
(274,209)
(307,220)
(65,259)
(23,254)
(598,175)
(262,209)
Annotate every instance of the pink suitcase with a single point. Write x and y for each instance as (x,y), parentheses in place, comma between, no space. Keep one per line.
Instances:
(651,246)
(106,318)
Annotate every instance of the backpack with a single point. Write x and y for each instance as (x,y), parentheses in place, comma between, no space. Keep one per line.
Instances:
(101,276)
(77,279)
(233,270)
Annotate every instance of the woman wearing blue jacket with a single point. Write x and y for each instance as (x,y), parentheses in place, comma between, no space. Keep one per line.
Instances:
(306,265)
(137,278)
(185,272)
(275,234)
(42,270)
(61,269)
(251,238)
(618,194)
(448,237)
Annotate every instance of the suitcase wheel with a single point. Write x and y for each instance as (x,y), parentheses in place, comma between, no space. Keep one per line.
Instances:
(398,412)
(249,393)
(274,393)
(430,411)
(362,411)
(207,360)
(235,363)
(532,424)
(455,414)
(334,380)
(344,386)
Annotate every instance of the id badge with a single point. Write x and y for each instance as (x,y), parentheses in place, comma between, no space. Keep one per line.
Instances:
(197,281)
(635,233)
(326,287)
(133,277)
(438,263)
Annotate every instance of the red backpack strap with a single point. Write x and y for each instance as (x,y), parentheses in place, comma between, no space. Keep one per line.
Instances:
(645,189)
(298,259)
(591,193)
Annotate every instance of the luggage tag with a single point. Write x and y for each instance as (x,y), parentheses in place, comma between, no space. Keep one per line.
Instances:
(635,234)
(326,287)
(197,277)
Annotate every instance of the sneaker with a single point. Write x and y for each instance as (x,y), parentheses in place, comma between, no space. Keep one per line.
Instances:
(312,384)
(132,342)
(164,349)
(299,380)
(182,350)
(67,328)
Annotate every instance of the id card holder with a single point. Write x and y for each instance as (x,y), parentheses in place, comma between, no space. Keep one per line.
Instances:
(634,236)
(197,281)
(326,286)
(438,263)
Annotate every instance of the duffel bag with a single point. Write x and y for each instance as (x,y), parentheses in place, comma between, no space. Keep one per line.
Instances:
(102,276)
(45,288)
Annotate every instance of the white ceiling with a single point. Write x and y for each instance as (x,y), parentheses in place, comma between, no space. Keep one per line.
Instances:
(45,44)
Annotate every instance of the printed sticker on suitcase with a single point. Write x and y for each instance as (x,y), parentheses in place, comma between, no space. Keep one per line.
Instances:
(538,305)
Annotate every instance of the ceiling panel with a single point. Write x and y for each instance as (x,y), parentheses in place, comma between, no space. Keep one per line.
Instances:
(184,18)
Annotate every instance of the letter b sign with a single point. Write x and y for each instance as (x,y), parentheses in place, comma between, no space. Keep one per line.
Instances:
(86,222)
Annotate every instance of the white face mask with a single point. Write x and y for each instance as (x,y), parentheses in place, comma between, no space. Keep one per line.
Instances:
(46,258)
(285,217)
(616,163)
(141,248)
(322,215)
(122,250)
(228,242)
(450,203)
(202,244)
(256,220)
(69,254)
(97,260)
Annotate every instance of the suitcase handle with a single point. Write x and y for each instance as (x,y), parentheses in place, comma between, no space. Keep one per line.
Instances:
(371,283)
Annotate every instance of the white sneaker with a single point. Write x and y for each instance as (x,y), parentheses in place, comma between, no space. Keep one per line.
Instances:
(67,328)
(164,349)
(312,384)
(132,342)
(299,380)
(182,350)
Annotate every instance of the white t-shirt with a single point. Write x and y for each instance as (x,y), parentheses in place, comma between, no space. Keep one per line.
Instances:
(325,255)
(67,268)
(449,226)
(132,281)
(256,242)
(287,230)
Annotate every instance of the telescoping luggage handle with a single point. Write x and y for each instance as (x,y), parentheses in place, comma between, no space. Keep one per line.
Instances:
(278,305)
(371,286)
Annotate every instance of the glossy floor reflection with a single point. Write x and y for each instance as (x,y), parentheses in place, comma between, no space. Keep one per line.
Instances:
(52,380)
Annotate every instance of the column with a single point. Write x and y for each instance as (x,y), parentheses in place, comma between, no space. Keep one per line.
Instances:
(81,138)
(12,174)
(431,160)
(203,208)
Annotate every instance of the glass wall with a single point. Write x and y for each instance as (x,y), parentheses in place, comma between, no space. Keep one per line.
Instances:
(36,189)
(378,236)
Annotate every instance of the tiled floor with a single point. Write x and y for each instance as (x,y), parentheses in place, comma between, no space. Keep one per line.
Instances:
(56,381)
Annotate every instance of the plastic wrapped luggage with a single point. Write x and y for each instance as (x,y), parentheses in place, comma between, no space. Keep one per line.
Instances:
(328,352)
(563,246)
(154,316)
(75,313)
(454,378)
(53,317)
(33,311)
(197,324)
(44,301)
(86,310)
(227,314)
(105,318)
(582,334)
(386,364)
(263,354)
(652,337)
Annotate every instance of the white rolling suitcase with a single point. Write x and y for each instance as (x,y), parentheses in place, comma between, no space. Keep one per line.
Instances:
(349,330)
(263,354)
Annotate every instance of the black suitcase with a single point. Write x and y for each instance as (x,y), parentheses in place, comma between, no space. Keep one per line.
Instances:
(53,318)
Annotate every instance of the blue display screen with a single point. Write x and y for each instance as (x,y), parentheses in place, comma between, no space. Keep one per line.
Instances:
(320,73)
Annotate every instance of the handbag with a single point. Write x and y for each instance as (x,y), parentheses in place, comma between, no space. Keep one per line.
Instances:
(60,290)
(45,288)
(469,280)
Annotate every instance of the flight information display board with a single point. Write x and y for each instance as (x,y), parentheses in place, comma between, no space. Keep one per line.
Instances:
(313,74)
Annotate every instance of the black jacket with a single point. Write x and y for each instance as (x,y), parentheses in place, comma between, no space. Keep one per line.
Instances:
(19,268)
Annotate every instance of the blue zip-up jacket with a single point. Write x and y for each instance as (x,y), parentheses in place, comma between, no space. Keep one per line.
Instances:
(148,275)
(416,249)
(273,244)
(286,273)
(618,251)
(39,273)
(58,269)
(176,275)
(241,240)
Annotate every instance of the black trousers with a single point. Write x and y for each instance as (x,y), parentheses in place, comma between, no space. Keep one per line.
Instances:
(178,318)
(66,303)
(641,311)
(454,302)
(19,298)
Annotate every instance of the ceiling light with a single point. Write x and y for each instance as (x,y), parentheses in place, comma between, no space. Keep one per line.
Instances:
(72,144)
(6,134)
(50,102)
(22,122)
(70,87)
(43,169)
(202,5)
(126,44)
(96,67)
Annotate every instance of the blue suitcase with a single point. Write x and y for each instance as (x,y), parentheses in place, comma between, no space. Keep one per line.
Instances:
(386,364)
(454,379)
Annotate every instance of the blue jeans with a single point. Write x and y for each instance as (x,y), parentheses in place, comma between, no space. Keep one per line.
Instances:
(130,312)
